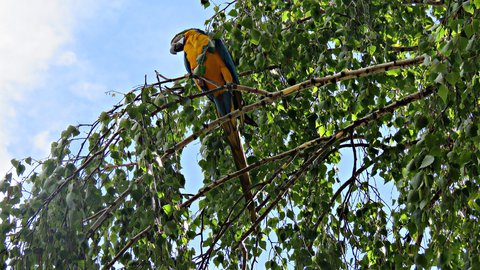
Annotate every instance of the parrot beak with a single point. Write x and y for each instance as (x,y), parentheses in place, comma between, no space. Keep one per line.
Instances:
(177,44)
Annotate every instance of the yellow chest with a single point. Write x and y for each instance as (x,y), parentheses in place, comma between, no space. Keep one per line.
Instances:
(214,65)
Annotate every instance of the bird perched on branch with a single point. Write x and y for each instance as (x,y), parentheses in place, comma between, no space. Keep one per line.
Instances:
(211,63)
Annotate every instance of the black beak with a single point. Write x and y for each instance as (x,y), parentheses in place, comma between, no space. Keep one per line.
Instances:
(177,45)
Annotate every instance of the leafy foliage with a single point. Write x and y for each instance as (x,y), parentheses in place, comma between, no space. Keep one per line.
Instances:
(112,193)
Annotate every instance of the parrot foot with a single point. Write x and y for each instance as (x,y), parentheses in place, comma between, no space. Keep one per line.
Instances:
(231,86)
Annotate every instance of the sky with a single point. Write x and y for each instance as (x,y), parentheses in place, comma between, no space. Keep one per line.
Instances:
(59,58)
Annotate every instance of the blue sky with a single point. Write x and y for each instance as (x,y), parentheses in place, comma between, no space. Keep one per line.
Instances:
(59,57)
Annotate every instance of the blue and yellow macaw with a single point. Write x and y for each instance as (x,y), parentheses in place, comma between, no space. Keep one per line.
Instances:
(212,63)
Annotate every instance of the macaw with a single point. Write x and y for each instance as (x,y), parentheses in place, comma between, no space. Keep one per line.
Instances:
(212,63)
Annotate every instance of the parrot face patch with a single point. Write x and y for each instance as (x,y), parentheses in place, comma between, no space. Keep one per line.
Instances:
(177,44)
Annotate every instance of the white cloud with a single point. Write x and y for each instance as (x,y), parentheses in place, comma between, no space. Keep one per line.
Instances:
(32,32)
(67,58)
(37,38)
(88,90)
(42,142)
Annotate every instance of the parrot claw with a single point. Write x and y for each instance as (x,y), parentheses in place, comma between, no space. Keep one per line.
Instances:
(230,86)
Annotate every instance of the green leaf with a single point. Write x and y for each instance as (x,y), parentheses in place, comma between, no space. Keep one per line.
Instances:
(199,70)
(393,72)
(70,200)
(469,31)
(427,161)
(452,78)
(247,22)
(476,3)
(14,162)
(129,97)
(468,7)
(447,48)
(205,3)
(413,196)
(19,167)
(103,117)
(443,93)
(232,13)
(439,78)
(255,36)
(168,209)
(417,180)
(471,129)
(438,67)
(421,121)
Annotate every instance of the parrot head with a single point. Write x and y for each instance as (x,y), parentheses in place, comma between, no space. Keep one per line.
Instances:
(179,39)
(177,43)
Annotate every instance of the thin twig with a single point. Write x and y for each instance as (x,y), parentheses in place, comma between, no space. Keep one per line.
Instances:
(425,2)
(321,153)
(226,178)
(127,246)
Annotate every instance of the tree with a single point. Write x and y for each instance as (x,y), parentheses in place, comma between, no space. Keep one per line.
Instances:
(390,86)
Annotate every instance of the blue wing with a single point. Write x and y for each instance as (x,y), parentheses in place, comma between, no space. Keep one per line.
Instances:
(187,64)
(227,58)
(227,96)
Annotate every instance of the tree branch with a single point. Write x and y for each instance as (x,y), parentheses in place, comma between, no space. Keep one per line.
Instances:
(321,153)
(425,2)
(250,167)
(127,246)
(272,97)
(404,48)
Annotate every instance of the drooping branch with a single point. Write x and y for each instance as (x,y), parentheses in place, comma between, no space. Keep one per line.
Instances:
(104,213)
(347,183)
(127,246)
(250,167)
(65,183)
(321,153)
(270,98)
(291,154)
